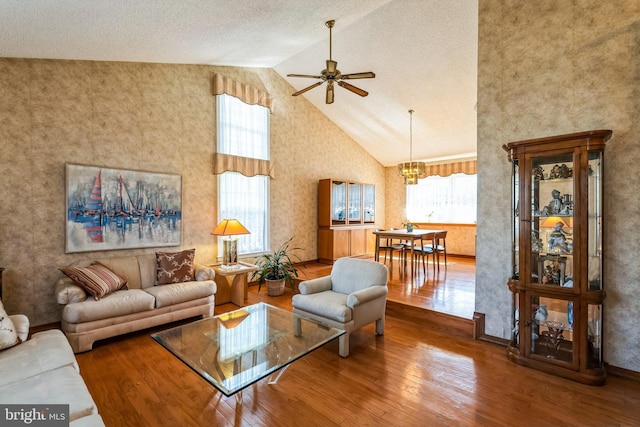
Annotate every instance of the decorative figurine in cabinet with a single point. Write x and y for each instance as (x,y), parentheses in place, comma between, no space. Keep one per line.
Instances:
(556,282)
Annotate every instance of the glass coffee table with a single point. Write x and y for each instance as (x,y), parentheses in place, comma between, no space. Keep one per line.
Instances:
(238,348)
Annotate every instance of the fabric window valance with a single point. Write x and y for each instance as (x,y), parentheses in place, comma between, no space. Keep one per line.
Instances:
(247,166)
(468,167)
(247,94)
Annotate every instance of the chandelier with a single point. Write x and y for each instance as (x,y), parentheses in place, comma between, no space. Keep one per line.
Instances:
(411,171)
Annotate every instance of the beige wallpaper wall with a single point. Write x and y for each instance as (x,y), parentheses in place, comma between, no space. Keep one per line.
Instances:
(547,68)
(152,117)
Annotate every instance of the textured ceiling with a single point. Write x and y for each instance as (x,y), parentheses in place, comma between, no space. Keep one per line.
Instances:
(424,54)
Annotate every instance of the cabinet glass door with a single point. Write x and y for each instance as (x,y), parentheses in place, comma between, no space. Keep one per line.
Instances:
(355,203)
(552,334)
(552,211)
(369,203)
(338,202)
(594,249)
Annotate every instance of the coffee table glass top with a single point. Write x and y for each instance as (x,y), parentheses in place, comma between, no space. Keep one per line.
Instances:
(238,348)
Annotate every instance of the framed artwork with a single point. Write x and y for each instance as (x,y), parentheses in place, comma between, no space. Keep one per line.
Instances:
(108,209)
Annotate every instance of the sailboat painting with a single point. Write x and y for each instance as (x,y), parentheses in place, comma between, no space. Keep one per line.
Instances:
(110,209)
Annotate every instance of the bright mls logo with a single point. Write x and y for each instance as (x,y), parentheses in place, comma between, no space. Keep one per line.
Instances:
(34,415)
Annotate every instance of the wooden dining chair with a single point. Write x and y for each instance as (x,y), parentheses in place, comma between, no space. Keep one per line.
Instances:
(440,248)
(390,248)
(425,249)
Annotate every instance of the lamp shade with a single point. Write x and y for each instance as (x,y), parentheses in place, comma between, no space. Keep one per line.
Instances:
(229,227)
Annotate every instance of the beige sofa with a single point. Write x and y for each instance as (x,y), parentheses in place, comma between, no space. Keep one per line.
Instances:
(44,371)
(142,305)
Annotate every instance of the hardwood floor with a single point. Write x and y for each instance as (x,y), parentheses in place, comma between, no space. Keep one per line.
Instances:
(413,375)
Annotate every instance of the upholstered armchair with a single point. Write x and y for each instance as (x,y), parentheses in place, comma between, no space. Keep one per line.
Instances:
(354,295)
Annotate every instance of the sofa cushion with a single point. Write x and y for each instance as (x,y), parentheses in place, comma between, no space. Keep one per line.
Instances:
(180,292)
(117,304)
(45,351)
(329,304)
(175,267)
(97,279)
(8,334)
(58,387)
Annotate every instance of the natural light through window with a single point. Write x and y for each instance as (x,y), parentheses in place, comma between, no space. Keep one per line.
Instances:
(243,130)
(450,199)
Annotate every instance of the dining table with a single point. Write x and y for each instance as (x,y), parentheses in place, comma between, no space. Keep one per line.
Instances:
(405,236)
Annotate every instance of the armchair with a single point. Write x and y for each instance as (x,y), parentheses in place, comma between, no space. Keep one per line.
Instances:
(354,295)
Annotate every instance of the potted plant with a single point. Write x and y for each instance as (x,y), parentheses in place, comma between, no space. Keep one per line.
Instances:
(277,268)
(409,225)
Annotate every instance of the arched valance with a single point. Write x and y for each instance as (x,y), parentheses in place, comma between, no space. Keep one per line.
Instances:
(468,167)
(247,94)
(247,166)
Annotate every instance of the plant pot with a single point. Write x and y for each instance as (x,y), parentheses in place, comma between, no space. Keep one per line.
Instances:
(409,228)
(275,288)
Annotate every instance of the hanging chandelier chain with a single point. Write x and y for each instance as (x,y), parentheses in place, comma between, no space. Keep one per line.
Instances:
(410,136)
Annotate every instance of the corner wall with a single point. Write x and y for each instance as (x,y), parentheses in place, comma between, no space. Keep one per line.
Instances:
(548,68)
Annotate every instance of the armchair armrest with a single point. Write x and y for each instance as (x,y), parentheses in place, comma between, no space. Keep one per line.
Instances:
(366,295)
(204,273)
(21,324)
(68,292)
(313,286)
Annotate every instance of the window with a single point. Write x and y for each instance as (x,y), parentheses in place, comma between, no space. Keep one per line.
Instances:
(450,199)
(243,130)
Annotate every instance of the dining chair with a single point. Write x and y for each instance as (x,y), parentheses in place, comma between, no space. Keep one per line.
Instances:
(426,248)
(389,248)
(440,247)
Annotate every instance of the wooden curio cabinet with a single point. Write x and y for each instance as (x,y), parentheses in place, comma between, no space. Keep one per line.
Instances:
(557,229)
(346,218)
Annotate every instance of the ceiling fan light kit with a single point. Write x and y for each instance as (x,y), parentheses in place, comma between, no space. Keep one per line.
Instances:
(412,171)
(332,75)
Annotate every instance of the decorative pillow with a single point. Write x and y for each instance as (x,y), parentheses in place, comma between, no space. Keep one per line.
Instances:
(175,267)
(8,334)
(97,279)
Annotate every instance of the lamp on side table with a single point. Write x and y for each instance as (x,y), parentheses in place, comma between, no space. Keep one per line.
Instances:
(228,228)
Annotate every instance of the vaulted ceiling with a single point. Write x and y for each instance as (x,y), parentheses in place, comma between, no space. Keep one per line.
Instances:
(423,52)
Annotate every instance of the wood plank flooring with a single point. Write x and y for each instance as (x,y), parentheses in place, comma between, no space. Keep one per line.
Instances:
(413,375)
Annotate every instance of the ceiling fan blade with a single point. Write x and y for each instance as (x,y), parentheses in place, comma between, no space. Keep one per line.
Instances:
(367,75)
(300,92)
(353,89)
(330,93)
(305,76)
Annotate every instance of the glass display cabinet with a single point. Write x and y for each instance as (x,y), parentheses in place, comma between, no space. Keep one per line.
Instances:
(346,219)
(557,255)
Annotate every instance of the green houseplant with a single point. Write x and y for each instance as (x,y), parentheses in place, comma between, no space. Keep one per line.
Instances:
(409,225)
(276,268)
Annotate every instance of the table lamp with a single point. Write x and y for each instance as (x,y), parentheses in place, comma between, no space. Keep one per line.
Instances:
(228,228)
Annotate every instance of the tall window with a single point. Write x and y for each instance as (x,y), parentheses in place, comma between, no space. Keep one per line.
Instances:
(451,199)
(243,130)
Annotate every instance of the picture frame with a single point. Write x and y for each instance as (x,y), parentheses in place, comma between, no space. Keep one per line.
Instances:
(116,209)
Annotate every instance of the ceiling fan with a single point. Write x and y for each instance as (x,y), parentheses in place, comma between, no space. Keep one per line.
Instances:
(332,75)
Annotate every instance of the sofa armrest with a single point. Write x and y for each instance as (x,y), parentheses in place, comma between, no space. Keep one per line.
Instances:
(68,292)
(21,324)
(204,273)
(313,286)
(365,295)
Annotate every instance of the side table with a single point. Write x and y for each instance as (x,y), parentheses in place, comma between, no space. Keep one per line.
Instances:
(238,280)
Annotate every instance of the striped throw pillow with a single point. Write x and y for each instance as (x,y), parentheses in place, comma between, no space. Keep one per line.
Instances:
(97,279)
